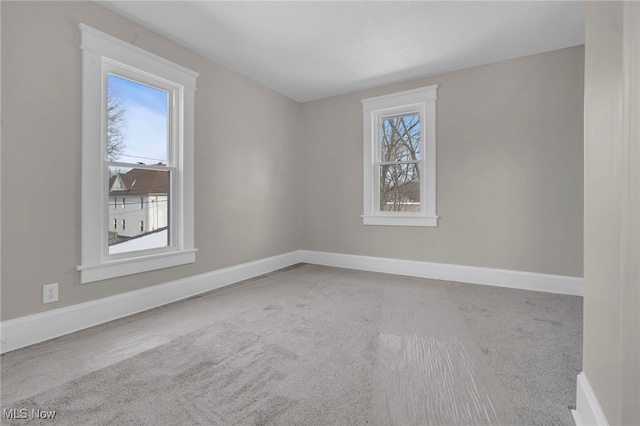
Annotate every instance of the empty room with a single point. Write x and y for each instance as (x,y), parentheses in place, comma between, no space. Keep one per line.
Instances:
(320,213)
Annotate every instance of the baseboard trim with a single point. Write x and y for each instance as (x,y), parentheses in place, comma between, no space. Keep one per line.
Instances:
(31,329)
(559,284)
(24,331)
(588,411)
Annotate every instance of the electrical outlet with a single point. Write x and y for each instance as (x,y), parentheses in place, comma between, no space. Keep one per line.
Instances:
(50,293)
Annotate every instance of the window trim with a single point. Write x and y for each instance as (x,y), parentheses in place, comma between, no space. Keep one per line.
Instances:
(423,102)
(99,52)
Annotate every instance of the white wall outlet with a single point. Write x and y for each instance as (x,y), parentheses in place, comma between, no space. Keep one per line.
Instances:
(50,293)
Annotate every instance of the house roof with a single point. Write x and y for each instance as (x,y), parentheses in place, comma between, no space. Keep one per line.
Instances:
(141,182)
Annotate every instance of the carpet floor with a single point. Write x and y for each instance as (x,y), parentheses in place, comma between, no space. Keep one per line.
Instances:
(316,346)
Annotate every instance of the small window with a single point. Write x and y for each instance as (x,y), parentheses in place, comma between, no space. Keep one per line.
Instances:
(115,223)
(115,203)
(141,203)
(124,226)
(399,158)
(123,203)
(142,226)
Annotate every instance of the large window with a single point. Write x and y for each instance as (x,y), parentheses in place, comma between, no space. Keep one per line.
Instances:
(137,141)
(400,158)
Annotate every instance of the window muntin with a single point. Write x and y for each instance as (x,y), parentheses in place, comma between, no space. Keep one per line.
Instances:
(110,62)
(399,158)
(138,143)
(138,133)
(399,163)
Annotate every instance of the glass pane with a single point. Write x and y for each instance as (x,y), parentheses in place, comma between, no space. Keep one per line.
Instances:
(400,187)
(400,138)
(137,122)
(138,209)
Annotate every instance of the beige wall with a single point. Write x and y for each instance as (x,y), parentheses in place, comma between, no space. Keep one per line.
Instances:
(509,176)
(245,171)
(274,176)
(611,236)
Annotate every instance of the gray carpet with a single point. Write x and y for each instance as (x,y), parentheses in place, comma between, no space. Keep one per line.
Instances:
(358,348)
(533,344)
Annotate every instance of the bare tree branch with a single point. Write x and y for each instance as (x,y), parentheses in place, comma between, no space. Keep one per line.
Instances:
(116,125)
(400,140)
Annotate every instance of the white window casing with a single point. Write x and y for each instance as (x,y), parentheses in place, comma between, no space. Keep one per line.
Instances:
(420,101)
(101,54)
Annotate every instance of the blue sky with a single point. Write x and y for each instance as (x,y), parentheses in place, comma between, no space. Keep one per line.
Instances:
(146,121)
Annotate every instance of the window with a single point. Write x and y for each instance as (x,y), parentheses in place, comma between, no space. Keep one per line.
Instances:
(137,139)
(400,158)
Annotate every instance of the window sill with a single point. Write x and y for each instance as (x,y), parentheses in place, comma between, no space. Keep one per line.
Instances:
(400,220)
(119,268)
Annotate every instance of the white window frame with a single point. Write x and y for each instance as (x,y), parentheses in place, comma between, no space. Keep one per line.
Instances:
(102,54)
(420,101)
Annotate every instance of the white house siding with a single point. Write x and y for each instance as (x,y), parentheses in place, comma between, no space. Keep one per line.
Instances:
(157,212)
(150,209)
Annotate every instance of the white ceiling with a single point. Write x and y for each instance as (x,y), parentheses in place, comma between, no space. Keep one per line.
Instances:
(313,50)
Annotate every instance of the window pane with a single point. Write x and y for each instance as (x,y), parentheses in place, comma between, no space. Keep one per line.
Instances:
(137,122)
(143,197)
(400,138)
(400,187)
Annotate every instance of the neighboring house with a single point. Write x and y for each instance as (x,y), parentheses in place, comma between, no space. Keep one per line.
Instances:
(138,203)
(400,197)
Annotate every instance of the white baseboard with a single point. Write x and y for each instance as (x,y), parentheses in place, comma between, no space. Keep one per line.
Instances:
(588,411)
(467,274)
(20,332)
(25,331)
